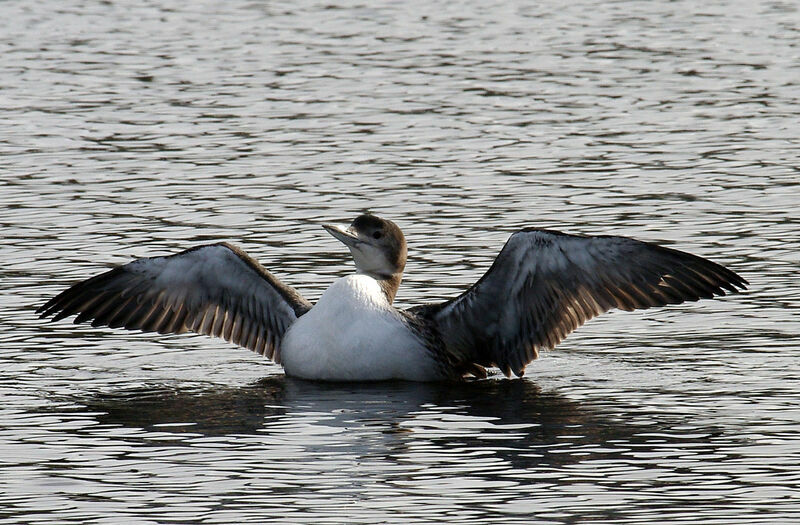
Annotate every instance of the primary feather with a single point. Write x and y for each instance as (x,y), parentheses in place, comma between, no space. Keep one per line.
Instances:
(215,290)
(544,284)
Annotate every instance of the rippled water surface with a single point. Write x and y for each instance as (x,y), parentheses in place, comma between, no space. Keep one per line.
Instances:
(141,128)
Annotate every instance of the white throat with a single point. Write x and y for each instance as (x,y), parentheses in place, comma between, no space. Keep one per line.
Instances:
(371,260)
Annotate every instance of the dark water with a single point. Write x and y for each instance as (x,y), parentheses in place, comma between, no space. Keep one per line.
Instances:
(141,128)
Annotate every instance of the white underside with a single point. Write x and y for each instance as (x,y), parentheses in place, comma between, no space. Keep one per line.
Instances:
(354,334)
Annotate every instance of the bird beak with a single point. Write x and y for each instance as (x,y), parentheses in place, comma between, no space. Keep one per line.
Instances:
(349,238)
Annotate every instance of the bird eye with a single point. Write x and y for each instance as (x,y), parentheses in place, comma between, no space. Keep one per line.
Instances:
(377,235)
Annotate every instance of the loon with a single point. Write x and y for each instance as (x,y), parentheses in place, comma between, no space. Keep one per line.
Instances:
(542,286)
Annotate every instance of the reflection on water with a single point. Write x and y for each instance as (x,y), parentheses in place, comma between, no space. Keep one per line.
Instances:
(510,420)
(135,129)
(491,446)
(203,412)
(256,408)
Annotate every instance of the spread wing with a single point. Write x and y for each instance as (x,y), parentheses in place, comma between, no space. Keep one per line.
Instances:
(215,290)
(545,284)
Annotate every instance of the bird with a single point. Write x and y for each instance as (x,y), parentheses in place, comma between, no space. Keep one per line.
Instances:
(542,286)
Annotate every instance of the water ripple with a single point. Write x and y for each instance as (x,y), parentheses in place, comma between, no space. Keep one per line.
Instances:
(139,129)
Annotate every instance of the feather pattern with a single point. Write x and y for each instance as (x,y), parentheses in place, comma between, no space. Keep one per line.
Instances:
(544,284)
(214,289)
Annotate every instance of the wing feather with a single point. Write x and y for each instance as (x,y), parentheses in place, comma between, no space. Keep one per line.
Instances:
(545,284)
(214,289)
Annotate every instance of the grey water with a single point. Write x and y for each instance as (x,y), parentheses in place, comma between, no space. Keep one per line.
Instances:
(131,129)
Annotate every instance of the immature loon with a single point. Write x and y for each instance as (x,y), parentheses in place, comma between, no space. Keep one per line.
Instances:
(543,285)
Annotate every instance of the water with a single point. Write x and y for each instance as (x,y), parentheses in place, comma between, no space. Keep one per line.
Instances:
(141,128)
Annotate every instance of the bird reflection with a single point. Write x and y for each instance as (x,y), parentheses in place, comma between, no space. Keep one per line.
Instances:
(204,410)
(515,420)
(228,410)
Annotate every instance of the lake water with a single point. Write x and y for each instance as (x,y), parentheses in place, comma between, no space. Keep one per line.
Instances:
(131,129)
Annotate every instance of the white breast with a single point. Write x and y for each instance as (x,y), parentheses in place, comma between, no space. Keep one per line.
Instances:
(354,334)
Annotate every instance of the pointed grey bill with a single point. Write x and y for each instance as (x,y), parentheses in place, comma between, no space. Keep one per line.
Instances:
(349,238)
